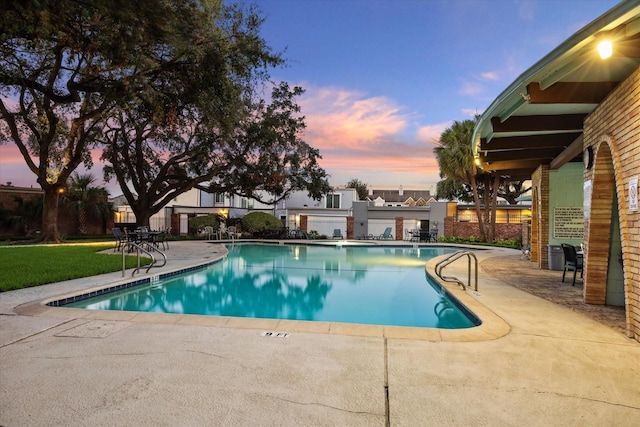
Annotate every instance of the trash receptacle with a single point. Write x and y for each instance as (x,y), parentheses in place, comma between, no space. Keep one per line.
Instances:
(556,257)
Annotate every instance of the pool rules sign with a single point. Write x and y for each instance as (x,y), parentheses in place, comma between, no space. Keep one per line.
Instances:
(568,223)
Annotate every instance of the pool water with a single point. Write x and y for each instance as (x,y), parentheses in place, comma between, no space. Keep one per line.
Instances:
(352,284)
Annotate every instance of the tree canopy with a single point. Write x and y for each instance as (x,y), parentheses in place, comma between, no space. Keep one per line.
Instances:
(455,159)
(361,188)
(259,154)
(160,83)
(464,181)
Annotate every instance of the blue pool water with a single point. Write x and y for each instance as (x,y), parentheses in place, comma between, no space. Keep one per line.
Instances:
(353,284)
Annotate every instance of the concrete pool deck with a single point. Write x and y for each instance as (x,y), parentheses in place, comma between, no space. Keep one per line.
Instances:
(532,362)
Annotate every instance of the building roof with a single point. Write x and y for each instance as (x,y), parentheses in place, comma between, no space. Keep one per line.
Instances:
(539,118)
(394,196)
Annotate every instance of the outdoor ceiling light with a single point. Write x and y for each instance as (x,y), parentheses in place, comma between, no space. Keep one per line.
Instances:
(605,49)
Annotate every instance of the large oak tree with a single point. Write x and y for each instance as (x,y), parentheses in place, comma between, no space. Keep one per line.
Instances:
(71,70)
(259,155)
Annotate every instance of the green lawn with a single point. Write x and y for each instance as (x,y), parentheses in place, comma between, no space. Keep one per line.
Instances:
(26,266)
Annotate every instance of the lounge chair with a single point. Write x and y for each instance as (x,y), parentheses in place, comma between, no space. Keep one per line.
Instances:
(337,234)
(386,235)
(572,262)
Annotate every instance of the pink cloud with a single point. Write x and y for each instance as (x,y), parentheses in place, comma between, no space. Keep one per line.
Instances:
(337,117)
(13,168)
(368,138)
(361,136)
(431,133)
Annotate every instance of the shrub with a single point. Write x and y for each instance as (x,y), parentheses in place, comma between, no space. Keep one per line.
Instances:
(197,224)
(256,222)
(474,240)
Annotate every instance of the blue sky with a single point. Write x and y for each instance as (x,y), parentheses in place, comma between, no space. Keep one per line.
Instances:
(384,78)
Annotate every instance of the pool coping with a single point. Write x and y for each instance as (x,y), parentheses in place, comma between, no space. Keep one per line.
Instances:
(492,326)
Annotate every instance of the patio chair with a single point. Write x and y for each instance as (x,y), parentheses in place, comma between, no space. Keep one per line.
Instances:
(233,233)
(386,235)
(298,234)
(337,234)
(161,240)
(119,236)
(209,232)
(572,262)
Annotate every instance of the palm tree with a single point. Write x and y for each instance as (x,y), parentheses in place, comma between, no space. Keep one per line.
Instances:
(82,196)
(455,159)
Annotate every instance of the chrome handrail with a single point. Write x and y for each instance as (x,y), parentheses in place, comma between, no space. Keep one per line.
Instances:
(453,257)
(139,248)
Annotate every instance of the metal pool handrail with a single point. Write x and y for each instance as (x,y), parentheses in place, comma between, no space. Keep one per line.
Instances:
(453,257)
(139,249)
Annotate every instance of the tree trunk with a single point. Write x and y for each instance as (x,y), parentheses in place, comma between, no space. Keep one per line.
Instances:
(142,213)
(82,221)
(476,199)
(494,208)
(50,215)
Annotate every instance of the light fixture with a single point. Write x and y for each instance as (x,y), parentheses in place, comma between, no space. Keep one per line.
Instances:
(605,48)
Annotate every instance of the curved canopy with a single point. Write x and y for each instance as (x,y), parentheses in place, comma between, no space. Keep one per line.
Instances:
(538,119)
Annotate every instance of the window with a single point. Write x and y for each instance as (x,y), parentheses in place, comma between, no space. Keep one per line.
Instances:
(219,197)
(333,201)
(246,203)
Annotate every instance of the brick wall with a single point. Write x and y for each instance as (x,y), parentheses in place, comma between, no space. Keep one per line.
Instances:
(399,228)
(613,131)
(67,218)
(540,217)
(469,229)
(350,225)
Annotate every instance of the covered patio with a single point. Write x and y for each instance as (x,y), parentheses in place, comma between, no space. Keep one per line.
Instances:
(570,123)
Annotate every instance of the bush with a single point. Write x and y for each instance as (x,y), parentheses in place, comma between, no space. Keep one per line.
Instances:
(473,240)
(256,222)
(197,224)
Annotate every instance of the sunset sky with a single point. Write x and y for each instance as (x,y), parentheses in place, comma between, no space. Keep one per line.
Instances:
(384,78)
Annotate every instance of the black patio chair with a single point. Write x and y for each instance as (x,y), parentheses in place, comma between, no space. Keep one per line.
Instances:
(119,237)
(572,262)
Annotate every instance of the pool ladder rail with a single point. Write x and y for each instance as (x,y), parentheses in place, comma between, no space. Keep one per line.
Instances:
(453,257)
(140,248)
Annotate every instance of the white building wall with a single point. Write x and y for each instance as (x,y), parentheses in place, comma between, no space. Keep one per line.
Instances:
(190,198)
(325,225)
(377,226)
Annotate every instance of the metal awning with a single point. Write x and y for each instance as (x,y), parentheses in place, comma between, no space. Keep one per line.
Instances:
(538,119)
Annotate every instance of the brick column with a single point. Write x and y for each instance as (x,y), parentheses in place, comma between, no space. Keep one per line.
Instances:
(399,227)
(449,226)
(175,224)
(350,227)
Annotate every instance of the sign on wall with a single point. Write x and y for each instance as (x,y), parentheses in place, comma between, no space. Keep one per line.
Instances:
(568,223)
(587,199)
(633,193)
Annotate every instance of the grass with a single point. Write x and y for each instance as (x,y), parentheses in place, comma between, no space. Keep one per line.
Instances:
(27,266)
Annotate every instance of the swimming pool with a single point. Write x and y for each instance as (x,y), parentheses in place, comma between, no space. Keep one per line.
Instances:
(352,284)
